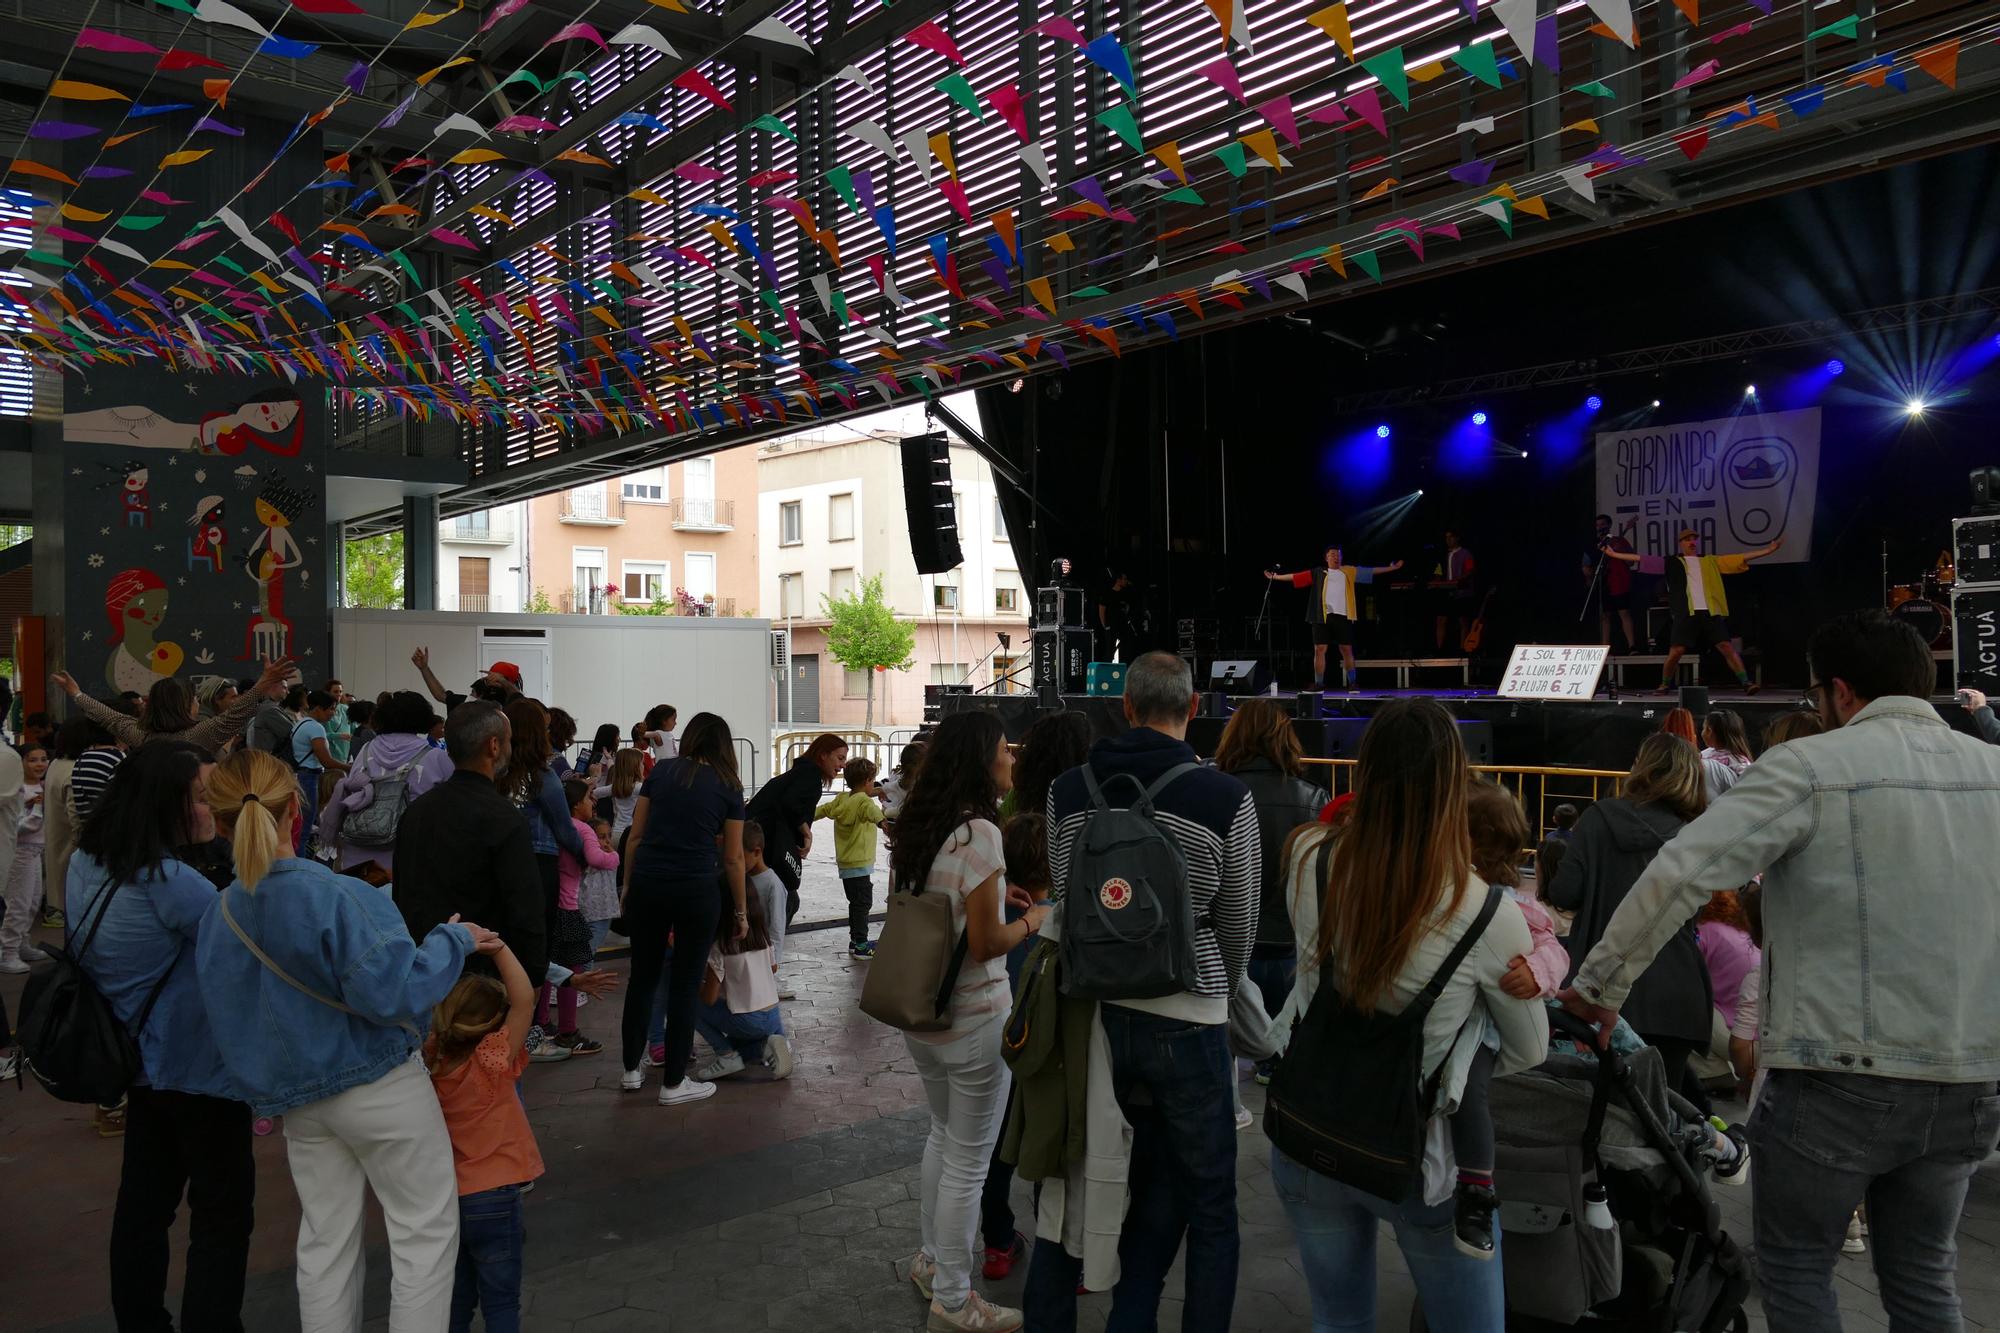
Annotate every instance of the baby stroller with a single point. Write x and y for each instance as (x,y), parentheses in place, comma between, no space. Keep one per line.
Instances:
(1659,1261)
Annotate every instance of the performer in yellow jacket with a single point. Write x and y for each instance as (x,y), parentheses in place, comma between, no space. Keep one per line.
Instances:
(1699,603)
(1333,607)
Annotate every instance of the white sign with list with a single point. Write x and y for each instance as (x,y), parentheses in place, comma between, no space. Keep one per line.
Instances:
(1553,671)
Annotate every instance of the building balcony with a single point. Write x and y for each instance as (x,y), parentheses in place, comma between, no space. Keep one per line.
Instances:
(703,515)
(590,509)
(480,602)
(479,530)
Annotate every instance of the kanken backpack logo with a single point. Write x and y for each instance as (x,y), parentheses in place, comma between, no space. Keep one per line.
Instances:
(1128,924)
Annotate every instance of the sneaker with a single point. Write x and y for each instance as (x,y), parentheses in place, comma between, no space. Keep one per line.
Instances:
(578,1044)
(999,1263)
(547,1051)
(1472,1222)
(862,949)
(655,1057)
(788,995)
(1244,1119)
(1854,1244)
(10,1065)
(31,954)
(12,966)
(722,1066)
(687,1090)
(52,918)
(111,1120)
(923,1273)
(778,1055)
(1738,1171)
(1264,1071)
(631,1080)
(975,1316)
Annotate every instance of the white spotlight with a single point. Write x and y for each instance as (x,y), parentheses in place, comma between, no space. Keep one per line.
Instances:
(1915,407)
(1656,404)
(1749,391)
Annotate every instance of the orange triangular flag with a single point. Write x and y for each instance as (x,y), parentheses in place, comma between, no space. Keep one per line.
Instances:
(337,163)
(1335,260)
(1264,144)
(1605,30)
(1940,62)
(1691,10)
(941,145)
(117,139)
(1044,296)
(22,167)
(1535,204)
(1380,187)
(1169,154)
(1003,226)
(1586,126)
(578,155)
(1060,242)
(216,91)
(1333,22)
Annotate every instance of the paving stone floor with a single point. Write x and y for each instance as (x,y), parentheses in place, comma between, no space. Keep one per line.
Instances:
(771,1206)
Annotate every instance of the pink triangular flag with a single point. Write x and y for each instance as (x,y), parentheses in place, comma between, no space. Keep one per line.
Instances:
(1059,27)
(1279,112)
(694,81)
(1367,104)
(1007,101)
(1223,75)
(1330,114)
(932,38)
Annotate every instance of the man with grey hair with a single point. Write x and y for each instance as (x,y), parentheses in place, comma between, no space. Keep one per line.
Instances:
(463,848)
(1170,1060)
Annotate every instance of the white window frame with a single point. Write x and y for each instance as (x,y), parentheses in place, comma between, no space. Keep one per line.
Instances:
(698,479)
(577,564)
(792,594)
(948,673)
(795,510)
(834,591)
(660,569)
(944,597)
(631,487)
(693,560)
(999,521)
(833,528)
(848,689)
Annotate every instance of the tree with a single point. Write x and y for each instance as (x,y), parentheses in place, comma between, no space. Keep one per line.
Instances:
(539,604)
(375,572)
(866,636)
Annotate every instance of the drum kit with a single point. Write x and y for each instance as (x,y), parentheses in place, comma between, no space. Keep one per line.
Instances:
(1925,605)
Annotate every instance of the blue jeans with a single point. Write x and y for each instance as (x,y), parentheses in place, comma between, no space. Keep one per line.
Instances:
(490,1236)
(743,1033)
(1172,1080)
(308,811)
(1335,1227)
(1821,1143)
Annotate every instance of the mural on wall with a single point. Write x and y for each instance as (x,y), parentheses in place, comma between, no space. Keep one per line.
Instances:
(196,524)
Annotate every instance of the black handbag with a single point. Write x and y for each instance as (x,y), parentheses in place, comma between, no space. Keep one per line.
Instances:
(71,1038)
(1350,1097)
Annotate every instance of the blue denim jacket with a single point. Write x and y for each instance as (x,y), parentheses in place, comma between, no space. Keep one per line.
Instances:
(150,925)
(549,824)
(346,941)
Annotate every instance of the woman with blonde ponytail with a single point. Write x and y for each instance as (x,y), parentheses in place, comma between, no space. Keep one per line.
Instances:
(319,1000)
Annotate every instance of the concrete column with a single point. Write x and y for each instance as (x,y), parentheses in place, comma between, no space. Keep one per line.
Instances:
(420,552)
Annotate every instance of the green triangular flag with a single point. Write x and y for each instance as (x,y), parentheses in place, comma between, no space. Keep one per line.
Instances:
(1368,263)
(770,299)
(1387,67)
(955,87)
(1235,157)
(1848,27)
(1120,122)
(1184,195)
(226,262)
(840,305)
(842,181)
(1500,209)
(773,124)
(133,222)
(1594,89)
(1480,62)
(43,257)
(1082,292)
(408,267)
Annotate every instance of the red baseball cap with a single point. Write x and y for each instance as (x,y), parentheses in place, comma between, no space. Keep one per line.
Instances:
(507,669)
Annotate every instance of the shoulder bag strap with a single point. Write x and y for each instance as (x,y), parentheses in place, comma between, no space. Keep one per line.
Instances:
(1428,996)
(103,904)
(271,965)
(1164,781)
(1322,867)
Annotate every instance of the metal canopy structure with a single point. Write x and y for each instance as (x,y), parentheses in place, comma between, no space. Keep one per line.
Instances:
(637,165)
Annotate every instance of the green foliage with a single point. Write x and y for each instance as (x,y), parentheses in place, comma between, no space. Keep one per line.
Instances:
(864,634)
(539,604)
(375,572)
(13,534)
(659,606)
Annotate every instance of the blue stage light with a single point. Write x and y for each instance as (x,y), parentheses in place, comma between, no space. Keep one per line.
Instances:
(1382,431)
(1593,402)
(1478,418)
(1835,366)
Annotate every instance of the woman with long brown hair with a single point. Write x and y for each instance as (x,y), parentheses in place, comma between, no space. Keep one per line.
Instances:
(532,785)
(1398,895)
(1614,842)
(1261,749)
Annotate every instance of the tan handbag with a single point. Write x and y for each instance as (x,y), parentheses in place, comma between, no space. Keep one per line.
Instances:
(916,964)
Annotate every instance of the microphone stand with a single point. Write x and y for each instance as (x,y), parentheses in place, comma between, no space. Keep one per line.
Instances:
(999,642)
(1594,591)
(1263,627)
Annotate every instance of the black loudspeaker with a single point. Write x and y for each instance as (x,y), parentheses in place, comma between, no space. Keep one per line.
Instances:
(1237,676)
(1214,704)
(1307,705)
(1985,490)
(1975,550)
(1975,614)
(927,503)
(1694,698)
(1062,662)
(1477,738)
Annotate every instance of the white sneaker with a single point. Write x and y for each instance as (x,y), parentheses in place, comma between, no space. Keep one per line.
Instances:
(975,1316)
(1243,1118)
(31,954)
(923,1273)
(787,995)
(778,1055)
(12,966)
(687,1090)
(10,1065)
(1853,1244)
(631,1080)
(722,1066)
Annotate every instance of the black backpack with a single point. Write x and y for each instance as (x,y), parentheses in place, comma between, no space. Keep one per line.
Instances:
(287,749)
(1128,923)
(1351,1098)
(71,1038)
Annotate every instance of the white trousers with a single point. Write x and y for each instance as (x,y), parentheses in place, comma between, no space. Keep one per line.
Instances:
(388,1135)
(21,886)
(966,1083)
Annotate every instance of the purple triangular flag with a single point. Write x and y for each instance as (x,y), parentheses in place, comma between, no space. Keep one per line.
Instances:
(1475,172)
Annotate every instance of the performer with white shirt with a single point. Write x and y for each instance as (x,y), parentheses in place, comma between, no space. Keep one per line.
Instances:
(1697,599)
(1333,607)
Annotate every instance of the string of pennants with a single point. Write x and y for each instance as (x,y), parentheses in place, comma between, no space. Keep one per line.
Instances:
(443,351)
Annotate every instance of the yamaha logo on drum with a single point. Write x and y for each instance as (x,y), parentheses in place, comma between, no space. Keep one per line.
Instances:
(1116,894)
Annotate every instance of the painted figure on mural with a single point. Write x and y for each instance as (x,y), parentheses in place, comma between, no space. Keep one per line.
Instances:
(135,601)
(210,536)
(269,634)
(136,490)
(270,421)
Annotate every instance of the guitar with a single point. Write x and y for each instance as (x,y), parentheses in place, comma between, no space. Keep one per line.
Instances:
(1478,630)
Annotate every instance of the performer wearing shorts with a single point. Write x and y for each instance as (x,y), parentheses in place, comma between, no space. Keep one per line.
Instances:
(1700,605)
(1616,591)
(1332,608)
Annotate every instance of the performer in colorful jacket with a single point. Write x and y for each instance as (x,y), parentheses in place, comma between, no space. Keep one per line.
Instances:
(1333,607)
(1698,601)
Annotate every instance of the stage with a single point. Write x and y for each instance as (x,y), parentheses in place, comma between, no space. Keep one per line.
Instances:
(1603,733)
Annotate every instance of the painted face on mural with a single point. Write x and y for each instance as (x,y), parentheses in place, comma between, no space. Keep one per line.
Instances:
(137,479)
(270,517)
(272,417)
(148,609)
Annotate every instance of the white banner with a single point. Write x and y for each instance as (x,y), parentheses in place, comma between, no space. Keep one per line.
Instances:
(1553,671)
(1739,482)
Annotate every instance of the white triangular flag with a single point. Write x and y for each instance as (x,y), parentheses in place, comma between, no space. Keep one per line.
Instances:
(243,233)
(918,145)
(1037,160)
(458,120)
(638,34)
(1484,125)
(1578,179)
(873,135)
(853,74)
(1493,208)
(1291,282)
(1617,16)
(1518,17)
(219,11)
(823,289)
(773,30)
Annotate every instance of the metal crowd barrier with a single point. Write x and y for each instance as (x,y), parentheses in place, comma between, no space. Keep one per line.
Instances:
(1539,789)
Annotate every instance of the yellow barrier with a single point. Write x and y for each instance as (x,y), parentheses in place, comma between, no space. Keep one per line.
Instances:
(1539,789)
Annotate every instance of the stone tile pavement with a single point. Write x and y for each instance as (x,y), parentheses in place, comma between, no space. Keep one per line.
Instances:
(771,1206)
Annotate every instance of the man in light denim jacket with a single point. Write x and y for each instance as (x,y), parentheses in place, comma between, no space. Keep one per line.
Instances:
(1880,847)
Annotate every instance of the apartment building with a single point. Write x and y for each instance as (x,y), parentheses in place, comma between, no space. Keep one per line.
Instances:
(481,567)
(644,537)
(829,514)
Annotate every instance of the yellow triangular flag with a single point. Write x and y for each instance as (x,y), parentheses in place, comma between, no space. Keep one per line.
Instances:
(1533,204)
(941,145)
(1044,296)
(1333,22)
(1169,154)
(1264,144)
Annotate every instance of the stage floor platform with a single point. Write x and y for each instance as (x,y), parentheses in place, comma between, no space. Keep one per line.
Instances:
(1602,733)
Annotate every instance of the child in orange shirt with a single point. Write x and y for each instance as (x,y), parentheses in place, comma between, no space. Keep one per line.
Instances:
(477,1050)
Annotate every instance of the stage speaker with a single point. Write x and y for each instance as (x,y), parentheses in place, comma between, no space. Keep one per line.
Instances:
(1975,642)
(1214,703)
(1060,606)
(1237,676)
(1694,698)
(927,503)
(1307,705)
(1062,663)
(1986,490)
(1975,549)
(934,697)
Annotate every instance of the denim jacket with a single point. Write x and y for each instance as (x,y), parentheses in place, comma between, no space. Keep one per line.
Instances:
(345,940)
(1878,843)
(551,828)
